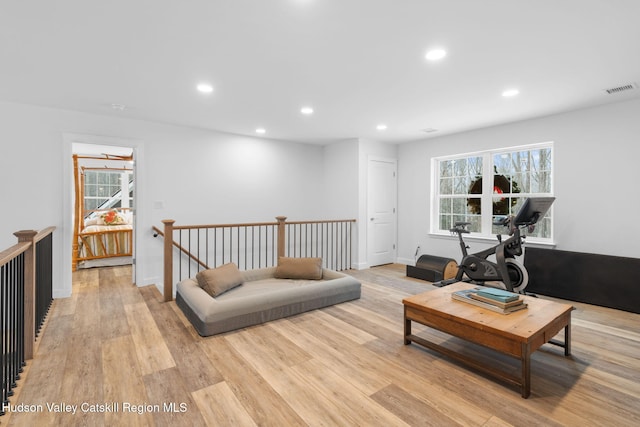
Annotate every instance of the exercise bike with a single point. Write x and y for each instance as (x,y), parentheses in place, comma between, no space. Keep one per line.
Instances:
(506,269)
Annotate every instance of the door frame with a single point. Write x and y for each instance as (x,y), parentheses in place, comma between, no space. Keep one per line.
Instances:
(68,193)
(372,158)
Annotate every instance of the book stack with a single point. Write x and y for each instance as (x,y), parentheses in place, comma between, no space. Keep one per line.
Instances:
(493,299)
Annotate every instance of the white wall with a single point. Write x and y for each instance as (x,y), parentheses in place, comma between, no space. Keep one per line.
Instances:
(341,179)
(199,176)
(597,173)
(341,186)
(346,176)
(210,177)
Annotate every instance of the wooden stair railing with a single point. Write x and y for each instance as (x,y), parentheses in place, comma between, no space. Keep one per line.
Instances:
(252,245)
(25,298)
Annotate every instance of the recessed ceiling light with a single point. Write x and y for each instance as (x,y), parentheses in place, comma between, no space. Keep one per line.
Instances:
(510,92)
(306,110)
(436,54)
(381,126)
(205,88)
(261,130)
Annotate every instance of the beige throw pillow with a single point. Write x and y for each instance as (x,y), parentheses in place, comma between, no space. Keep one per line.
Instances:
(219,280)
(299,268)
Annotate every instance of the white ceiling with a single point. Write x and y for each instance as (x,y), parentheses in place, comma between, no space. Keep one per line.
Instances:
(359,63)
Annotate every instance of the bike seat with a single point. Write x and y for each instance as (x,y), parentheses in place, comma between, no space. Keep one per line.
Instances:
(460,227)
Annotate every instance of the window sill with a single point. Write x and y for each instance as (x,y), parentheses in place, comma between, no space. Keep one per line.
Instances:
(528,242)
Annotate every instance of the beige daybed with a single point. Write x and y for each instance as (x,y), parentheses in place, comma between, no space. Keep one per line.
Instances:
(229,299)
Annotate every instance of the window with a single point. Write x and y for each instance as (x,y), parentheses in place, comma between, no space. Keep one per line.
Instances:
(103,189)
(479,187)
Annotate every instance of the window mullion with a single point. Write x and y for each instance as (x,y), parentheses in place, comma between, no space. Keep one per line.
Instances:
(124,190)
(487,192)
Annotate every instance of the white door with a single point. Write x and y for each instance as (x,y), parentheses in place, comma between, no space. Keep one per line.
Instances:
(381,196)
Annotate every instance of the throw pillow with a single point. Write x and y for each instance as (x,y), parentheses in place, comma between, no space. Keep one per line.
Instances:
(219,280)
(112,218)
(299,268)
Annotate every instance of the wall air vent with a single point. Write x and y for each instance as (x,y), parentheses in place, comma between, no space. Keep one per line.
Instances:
(623,88)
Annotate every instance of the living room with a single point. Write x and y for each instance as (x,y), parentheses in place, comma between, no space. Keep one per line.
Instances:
(199,174)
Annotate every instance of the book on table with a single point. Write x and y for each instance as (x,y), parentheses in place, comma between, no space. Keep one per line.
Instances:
(466,296)
(498,294)
(497,303)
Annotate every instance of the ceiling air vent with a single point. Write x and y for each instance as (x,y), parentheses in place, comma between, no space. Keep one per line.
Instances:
(622,88)
(429,130)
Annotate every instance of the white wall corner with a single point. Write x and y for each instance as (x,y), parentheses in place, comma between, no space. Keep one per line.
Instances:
(360,265)
(61,293)
(405,261)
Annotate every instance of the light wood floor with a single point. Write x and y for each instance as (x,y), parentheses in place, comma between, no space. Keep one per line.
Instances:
(115,347)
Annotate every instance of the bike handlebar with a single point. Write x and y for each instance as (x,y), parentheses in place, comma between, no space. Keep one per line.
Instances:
(502,220)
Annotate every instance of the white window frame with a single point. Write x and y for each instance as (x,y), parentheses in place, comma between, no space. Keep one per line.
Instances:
(125,176)
(487,191)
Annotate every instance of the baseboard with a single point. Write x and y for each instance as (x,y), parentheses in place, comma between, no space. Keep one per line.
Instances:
(59,293)
(360,265)
(158,281)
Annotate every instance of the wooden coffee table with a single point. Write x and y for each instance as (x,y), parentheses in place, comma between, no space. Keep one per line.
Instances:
(518,334)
